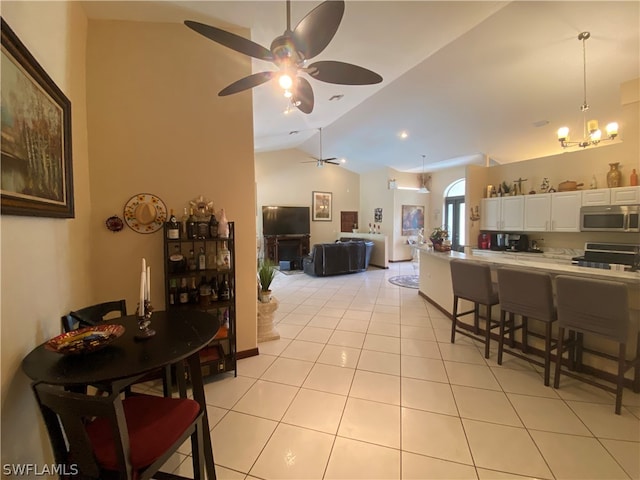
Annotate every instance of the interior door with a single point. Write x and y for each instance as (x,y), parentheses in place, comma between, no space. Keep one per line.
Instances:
(348,221)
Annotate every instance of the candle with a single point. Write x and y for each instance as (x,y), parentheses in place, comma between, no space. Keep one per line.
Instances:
(142,289)
(144,265)
(148,285)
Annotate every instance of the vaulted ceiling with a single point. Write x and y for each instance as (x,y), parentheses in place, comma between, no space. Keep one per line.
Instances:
(464,80)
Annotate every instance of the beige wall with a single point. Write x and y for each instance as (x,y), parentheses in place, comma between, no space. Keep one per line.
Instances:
(283,179)
(145,113)
(45,262)
(157,126)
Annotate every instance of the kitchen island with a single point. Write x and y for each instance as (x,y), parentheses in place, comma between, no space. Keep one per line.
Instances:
(435,286)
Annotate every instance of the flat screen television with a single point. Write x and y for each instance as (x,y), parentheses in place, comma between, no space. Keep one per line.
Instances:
(285,220)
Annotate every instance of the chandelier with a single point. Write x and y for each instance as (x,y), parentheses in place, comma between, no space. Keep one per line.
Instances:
(423,188)
(592,134)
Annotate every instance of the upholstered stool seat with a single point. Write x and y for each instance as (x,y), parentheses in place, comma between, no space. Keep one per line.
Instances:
(529,295)
(598,308)
(472,281)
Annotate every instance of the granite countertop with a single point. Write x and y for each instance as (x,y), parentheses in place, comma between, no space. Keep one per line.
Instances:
(555,265)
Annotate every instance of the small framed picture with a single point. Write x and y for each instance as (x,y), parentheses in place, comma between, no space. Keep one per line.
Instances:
(321,206)
(412,219)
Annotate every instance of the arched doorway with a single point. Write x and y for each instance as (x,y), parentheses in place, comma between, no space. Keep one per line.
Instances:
(454,216)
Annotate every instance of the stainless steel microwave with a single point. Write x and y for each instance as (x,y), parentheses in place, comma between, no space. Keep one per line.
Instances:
(610,218)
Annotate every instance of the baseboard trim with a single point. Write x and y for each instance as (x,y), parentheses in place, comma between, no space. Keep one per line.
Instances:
(252,352)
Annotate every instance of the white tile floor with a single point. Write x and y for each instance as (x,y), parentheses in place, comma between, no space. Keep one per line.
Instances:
(364,384)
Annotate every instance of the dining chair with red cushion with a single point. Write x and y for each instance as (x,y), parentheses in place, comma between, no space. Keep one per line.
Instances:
(111,437)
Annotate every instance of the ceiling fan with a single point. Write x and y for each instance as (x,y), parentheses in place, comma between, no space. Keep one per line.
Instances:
(320,162)
(290,52)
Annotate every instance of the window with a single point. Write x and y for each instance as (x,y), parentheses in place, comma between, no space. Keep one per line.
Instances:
(454,216)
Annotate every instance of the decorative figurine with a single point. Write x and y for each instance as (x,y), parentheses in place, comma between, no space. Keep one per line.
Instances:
(544,186)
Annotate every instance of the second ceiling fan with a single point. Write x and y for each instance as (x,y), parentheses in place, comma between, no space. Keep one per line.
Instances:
(290,52)
(320,161)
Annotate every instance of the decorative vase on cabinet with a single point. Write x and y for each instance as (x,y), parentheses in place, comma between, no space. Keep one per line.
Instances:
(613,175)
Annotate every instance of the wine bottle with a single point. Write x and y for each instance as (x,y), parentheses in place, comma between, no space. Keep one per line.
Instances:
(213,226)
(192,227)
(173,291)
(205,292)
(224,257)
(183,292)
(224,293)
(183,222)
(223,225)
(191,261)
(173,227)
(202,260)
(214,289)
(194,293)
(176,261)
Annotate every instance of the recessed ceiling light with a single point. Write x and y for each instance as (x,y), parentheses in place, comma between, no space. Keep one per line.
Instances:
(343,160)
(403,135)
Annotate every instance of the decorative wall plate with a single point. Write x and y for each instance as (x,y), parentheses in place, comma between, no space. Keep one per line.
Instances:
(114,223)
(145,213)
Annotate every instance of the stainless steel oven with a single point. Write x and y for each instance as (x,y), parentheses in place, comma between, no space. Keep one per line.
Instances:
(610,218)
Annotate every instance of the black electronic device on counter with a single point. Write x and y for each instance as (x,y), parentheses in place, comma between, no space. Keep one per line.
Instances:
(518,243)
(499,241)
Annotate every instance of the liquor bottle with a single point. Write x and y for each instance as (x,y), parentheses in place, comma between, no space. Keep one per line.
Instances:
(213,226)
(223,331)
(194,293)
(204,290)
(173,291)
(176,261)
(183,292)
(202,260)
(192,228)
(214,289)
(173,227)
(212,259)
(223,225)
(224,292)
(202,226)
(224,257)
(191,261)
(183,222)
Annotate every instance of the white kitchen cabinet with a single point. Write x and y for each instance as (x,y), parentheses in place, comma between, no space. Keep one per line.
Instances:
(512,214)
(625,196)
(565,211)
(600,196)
(537,212)
(502,213)
(490,215)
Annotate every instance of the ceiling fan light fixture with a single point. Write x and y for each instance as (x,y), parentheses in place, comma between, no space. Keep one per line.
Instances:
(285,81)
(592,134)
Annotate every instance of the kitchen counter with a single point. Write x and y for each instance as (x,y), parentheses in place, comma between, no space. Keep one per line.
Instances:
(435,286)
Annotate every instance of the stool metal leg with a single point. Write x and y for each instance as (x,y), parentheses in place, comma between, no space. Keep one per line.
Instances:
(476,318)
(525,336)
(503,316)
(487,336)
(455,317)
(620,379)
(556,379)
(547,353)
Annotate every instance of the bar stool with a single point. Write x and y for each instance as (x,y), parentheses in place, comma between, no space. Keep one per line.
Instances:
(472,281)
(530,295)
(594,307)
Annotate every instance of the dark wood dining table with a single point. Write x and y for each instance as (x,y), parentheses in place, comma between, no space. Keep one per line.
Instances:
(180,335)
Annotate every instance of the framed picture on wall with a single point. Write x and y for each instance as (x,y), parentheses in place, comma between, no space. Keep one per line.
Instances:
(36,176)
(412,219)
(321,206)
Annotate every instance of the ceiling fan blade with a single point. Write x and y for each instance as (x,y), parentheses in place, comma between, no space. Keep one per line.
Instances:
(304,95)
(329,160)
(314,32)
(231,40)
(246,83)
(332,163)
(342,73)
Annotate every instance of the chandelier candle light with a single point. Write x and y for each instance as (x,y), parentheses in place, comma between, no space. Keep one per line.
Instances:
(592,134)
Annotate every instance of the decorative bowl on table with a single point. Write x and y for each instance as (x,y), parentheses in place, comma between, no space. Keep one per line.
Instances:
(84,340)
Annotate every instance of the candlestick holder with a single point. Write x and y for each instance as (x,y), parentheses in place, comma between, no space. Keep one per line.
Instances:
(144,321)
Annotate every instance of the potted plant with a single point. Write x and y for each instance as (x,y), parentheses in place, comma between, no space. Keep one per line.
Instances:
(266,273)
(440,239)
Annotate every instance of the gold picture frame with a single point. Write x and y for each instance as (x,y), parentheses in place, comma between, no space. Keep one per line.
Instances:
(321,204)
(36,177)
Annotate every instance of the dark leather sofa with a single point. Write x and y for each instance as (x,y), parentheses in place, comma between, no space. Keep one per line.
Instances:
(337,258)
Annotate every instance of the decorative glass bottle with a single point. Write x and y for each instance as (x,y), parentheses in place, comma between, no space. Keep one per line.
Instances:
(613,175)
